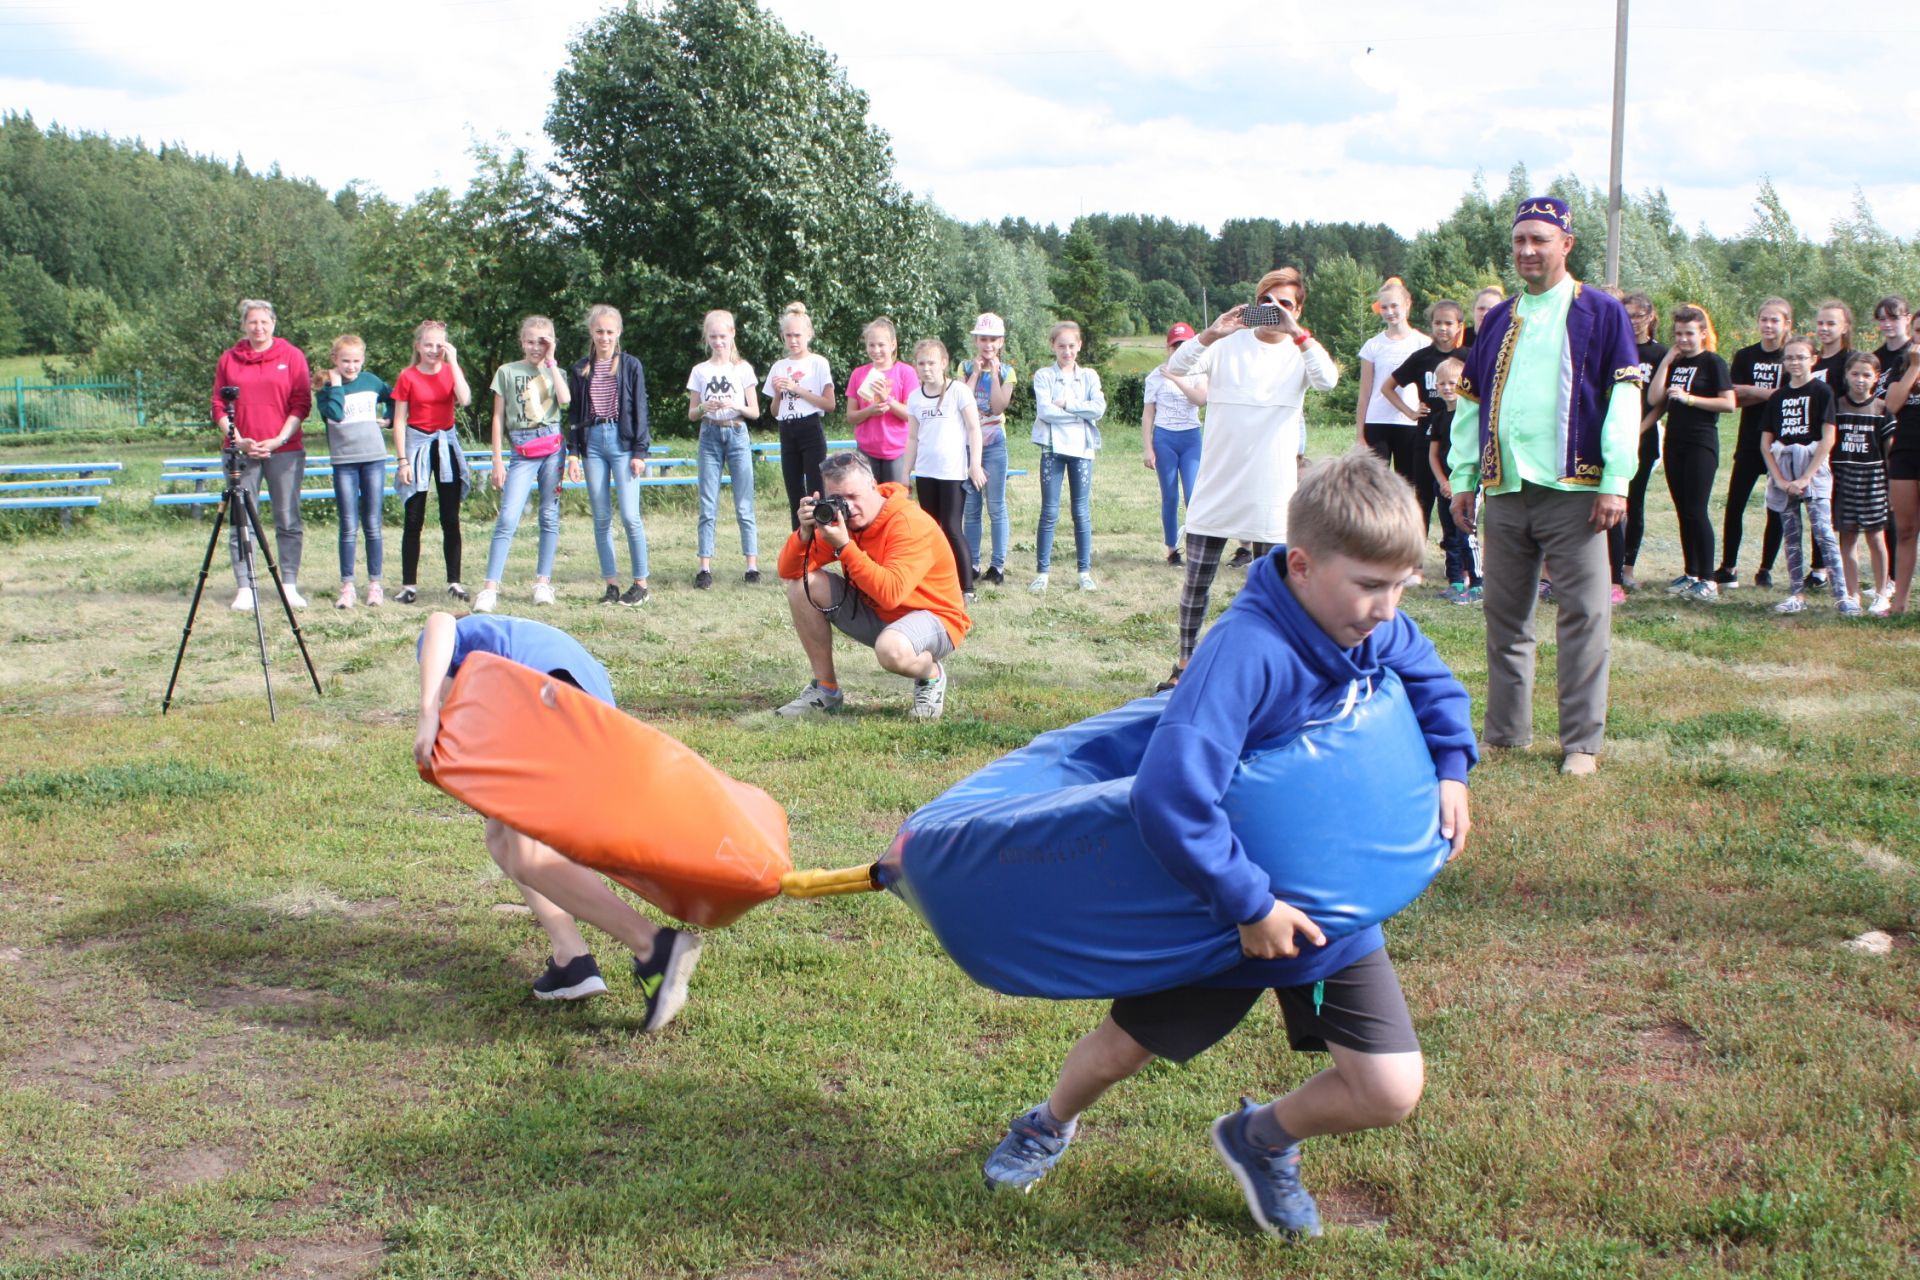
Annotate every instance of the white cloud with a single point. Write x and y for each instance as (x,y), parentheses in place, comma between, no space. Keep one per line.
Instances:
(1049,108)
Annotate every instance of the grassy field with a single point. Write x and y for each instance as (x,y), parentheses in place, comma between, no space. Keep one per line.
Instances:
(261,1012)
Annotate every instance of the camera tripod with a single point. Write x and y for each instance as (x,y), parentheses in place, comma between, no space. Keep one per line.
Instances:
(238,505)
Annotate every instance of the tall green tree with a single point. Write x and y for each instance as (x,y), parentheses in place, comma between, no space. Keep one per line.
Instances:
(1084,288)
(712,158)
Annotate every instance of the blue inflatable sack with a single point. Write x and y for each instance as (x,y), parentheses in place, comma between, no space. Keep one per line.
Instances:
(1033,876)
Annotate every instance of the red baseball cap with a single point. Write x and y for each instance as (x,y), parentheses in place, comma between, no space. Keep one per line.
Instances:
(1178,334)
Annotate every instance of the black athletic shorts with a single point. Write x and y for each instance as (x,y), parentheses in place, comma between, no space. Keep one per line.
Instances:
(1360,1007)
(1903,464)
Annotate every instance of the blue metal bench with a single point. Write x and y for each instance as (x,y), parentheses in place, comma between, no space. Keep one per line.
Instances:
(57,476)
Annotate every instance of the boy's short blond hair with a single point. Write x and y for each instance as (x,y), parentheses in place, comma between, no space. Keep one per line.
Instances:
(1355,506)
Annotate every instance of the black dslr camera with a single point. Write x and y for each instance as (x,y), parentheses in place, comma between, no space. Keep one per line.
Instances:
(831,510)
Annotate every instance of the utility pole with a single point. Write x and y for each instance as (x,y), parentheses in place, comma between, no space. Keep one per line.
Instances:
(1619,129)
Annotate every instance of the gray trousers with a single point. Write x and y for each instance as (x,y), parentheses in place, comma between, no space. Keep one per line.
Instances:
(1519,531)
(283,473)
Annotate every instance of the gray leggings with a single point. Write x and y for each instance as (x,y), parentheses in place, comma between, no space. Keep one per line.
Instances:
(283,472)
(1826,545)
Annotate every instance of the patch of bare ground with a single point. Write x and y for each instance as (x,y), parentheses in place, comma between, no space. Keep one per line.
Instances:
(245,995)
(1353,1206)
(345,1255)
(190,1166)
(1669,1052)
(785,1267)
(43,1244)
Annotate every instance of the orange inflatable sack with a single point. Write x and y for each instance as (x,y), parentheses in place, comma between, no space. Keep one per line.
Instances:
(608,792)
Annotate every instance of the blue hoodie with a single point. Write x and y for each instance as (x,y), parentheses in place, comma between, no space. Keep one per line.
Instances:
(1263,671)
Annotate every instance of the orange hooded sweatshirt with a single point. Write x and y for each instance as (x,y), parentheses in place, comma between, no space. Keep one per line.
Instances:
(900,562)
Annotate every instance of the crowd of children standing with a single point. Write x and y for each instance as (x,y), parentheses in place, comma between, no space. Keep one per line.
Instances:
(1833,432)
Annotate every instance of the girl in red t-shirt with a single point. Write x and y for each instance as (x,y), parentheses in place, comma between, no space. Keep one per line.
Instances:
(428,446)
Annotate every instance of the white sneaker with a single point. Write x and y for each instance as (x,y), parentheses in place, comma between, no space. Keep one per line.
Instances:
(543,593)
(1087,583)
(1039,584)
(243,600)
(292,593)
(930,697)
(1881,604)
(347,598)
(486,600)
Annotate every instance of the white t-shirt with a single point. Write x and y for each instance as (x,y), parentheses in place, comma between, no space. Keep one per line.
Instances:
(1386,354)
(711,380)
(940,432)
(810,371)
(1172,411)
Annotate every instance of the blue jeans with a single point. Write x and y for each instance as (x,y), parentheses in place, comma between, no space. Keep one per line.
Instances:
(1079,473)
(610,474)
(993,461)
(358,491)
(521,473)
(723,443)
(1176,461)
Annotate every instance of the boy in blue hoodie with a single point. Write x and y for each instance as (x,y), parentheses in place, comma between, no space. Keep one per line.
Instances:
(1318,615)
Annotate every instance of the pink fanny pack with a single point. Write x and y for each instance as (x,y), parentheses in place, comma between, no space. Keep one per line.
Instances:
(540,446)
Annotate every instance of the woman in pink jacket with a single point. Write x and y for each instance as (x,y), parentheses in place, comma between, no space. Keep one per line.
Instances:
(276,394)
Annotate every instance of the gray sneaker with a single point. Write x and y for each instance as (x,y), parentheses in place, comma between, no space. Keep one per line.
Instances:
(813,701)
(930,697)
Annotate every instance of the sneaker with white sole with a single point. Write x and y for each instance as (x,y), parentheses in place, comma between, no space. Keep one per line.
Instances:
(292,593)
(635,594)
(375,596)
(662,977)
(1703,591)
(814,700)
(1039,584)
(1024,1156)
(1849,607)
(1679,586)
(1269,1178)
(543,593)
(457,592)
(1881,604)
(348,597)
(577,979)
(487,601)
(1792,604)
(243,600)
(930,697)
(1087,583)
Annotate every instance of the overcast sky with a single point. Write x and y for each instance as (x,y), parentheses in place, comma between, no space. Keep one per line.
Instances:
(1049,108)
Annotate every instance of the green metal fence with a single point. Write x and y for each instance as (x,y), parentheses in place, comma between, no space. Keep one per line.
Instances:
(54,406)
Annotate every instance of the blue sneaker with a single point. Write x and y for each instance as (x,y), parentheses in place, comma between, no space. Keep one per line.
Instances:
(1270,1179)
(1023,1157)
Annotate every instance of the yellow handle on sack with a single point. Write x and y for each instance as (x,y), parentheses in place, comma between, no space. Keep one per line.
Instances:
(825,883)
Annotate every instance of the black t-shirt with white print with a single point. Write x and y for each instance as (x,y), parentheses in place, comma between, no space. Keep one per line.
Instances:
(1416,372)
(1701,375)
(1862,437)
(1798,415)
(1755,366)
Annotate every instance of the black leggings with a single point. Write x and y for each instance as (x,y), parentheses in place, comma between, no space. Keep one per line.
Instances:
(1692,460)
(449,493)
(1623,540)
(946,502)
(1403,445)
(1750,469)
(803,447)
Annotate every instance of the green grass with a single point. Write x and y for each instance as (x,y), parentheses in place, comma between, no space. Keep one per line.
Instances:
(258,1016)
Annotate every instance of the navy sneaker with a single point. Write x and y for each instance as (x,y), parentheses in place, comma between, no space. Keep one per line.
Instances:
(662,977)
(575,980)
(1031,1147)
(1270,1179)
